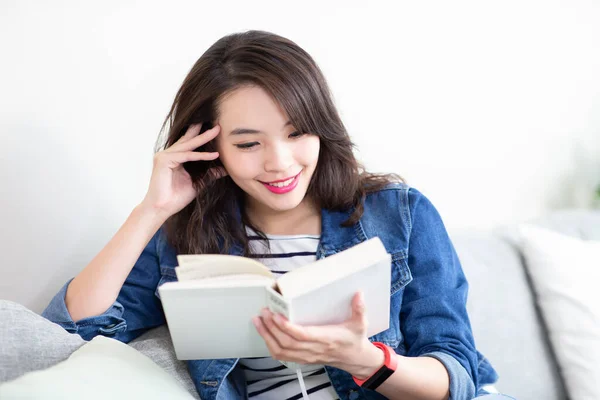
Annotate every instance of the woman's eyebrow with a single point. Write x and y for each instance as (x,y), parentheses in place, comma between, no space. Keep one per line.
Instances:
(242,131)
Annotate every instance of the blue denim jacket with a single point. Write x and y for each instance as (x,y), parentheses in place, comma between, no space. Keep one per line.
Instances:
(428,315)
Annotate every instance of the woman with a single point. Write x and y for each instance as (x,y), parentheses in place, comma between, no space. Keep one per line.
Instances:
(258,161)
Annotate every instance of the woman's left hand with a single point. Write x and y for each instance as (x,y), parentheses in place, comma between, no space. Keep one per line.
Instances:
(344,346)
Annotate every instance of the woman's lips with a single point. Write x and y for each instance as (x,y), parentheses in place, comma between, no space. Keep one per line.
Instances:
(283,189)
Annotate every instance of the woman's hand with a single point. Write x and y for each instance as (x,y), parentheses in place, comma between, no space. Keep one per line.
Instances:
(344,346)
(171,187)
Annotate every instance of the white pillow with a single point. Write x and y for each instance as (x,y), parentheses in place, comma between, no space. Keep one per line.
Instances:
(566,277)
(101,369)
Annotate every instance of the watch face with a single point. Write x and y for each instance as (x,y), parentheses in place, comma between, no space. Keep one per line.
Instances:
(378,378)
(387,369)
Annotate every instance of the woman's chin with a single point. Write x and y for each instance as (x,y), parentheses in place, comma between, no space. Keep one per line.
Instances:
(281,202)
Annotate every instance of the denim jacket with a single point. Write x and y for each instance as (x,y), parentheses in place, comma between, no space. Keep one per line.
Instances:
(428,295)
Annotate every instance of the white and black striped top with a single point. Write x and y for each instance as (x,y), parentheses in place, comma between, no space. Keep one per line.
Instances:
(268,378)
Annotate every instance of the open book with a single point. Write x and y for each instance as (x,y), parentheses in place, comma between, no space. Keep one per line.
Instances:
(209,310)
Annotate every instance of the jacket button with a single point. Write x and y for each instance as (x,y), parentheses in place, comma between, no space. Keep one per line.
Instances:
(353,394)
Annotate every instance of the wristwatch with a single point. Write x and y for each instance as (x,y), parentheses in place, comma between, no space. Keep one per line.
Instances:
(387,369)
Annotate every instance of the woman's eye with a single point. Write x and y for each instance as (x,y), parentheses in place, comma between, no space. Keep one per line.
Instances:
(246,145)
(296,134)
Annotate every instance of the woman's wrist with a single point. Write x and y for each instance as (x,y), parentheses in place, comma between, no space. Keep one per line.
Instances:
(148,211)
(370,359)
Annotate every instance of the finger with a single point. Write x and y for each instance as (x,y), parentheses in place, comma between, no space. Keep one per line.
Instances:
(358,304)
(359,314)
(182,157)
(295,331)
(197,141)
(285,341)
(279,353)
(270,341)
(191,131)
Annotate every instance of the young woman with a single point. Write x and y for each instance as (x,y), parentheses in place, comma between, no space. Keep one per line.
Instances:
(258,163)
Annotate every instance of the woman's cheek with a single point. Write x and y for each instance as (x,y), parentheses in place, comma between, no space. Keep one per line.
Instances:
(310,150)
(244,166)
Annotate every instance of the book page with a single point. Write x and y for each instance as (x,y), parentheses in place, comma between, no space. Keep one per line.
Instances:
(202,266)
(226,281)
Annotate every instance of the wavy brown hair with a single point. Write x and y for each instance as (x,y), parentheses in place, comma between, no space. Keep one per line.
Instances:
(210,223)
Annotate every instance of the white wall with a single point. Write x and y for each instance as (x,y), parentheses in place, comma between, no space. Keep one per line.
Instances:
(490,109)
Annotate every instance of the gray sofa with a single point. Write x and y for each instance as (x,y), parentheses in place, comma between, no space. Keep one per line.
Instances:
(507,325)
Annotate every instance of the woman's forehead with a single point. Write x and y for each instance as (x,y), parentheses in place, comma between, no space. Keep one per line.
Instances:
(252,108)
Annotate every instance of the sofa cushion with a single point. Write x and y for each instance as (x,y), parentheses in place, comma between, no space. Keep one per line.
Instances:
(30,342)
(583,224)
(563,269)
(506,325)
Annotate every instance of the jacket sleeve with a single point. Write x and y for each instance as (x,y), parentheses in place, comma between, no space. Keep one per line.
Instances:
(135,310)
(434,316)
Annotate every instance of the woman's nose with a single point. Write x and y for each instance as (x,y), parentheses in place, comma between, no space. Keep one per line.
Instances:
(278,157)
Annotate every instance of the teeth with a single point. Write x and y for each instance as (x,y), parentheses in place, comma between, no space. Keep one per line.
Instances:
(282,184)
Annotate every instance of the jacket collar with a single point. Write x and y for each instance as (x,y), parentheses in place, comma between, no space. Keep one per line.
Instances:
(334,236)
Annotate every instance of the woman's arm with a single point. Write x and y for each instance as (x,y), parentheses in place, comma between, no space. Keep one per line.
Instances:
(441,359)
(433,317)
(128,308)
(415,378)
(97,286)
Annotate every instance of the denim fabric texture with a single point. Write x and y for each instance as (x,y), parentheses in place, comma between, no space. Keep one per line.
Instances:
(428,315)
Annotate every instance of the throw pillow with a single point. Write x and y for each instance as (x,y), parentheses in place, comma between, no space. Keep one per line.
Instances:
(99,369)
(156,344)
(565,272)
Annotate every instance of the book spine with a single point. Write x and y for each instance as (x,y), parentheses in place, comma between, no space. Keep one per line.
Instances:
(277,304)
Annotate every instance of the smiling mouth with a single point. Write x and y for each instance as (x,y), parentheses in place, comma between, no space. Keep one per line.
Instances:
(281,184)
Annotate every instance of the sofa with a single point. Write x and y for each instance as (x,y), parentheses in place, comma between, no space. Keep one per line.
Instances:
(508,327)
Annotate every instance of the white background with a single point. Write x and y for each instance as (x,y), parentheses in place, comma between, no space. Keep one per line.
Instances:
(492,109)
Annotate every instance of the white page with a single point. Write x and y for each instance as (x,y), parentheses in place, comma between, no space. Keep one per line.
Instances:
(203,266)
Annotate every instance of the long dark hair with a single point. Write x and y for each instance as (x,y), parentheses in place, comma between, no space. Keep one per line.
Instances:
(290,75)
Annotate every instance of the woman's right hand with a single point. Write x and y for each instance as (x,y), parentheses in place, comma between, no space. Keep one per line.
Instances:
(171,187)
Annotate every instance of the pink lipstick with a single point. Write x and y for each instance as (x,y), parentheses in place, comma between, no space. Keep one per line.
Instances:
(284,185)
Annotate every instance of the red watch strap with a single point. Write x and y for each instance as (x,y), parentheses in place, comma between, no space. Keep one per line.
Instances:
(389,366)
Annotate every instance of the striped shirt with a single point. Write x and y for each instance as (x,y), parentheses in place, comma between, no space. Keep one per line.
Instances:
(266,377)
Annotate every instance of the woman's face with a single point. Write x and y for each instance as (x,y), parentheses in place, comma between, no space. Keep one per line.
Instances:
(263,153)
